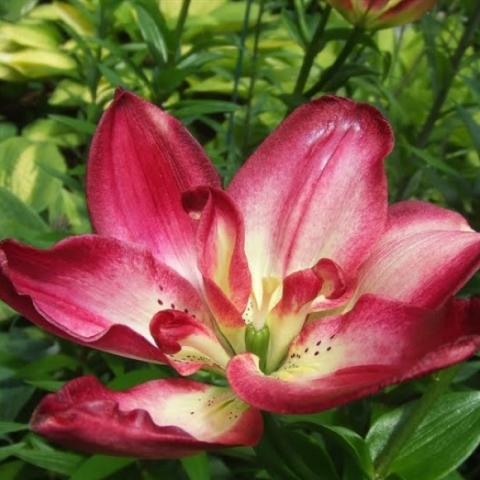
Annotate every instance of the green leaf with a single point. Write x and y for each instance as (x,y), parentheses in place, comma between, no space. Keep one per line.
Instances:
(353,445)
(152,35)
(136,377)
(31,33)
(269,459)
(21,171)
(14,9)
(9,427)
(445,438)
(52,131)
(191,108)
(11,470)
(196,467)
(6,312)
(98,467)
(7,130)
(472,126)
(74,18)
(112,76)
(13,396)
(453,476)
(46,365)
(9,450)
(47,385)
(34,63)
(433,161)
(346,445)
(18,220)
(49,459)
(314,454)
(76,124)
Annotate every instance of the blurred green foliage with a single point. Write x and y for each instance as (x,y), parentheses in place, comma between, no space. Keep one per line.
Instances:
(230,71)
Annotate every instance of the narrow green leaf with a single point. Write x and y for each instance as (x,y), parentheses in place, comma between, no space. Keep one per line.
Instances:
(75,124)
(152,35)
(192,108)
(433,161)
(47,385)
(112,76)
(54,460)
(10,450)
(9,427)
(472,126)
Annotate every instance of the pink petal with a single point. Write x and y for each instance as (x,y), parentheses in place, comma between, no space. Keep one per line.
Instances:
(141,160)
(159,419)
(221,258)
(315,188)
(187,342)
(381,13)
(406,11)
(425,256)
(96,291)
(338,359)
(220,239)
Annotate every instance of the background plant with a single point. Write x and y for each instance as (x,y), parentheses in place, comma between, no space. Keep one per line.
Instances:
(231,70)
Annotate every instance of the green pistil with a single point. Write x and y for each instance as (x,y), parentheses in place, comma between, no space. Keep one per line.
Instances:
(256,341)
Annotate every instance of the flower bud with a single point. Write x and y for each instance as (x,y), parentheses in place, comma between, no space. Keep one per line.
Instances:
(375,14)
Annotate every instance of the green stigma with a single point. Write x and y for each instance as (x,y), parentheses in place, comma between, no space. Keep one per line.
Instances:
(256,341)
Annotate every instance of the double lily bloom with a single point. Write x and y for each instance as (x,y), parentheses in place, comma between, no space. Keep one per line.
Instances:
(298,283)
(374,14)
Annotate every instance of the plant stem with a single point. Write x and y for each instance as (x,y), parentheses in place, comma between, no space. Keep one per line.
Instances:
(237,75)
(182,17)
(253,77)
(313,48)
(92,109)
(405,430)
(465,41)
(328,74)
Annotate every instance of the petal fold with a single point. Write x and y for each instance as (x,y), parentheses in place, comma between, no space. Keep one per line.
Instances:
(188,343)
(315,188)
(286,320)
(425,256)
(159,419)
(336,287)
(95,291)
(221,258)
(141,160)
(341,358)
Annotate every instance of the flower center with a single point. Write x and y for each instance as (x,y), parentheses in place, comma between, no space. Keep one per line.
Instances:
(256,341)
(262,301)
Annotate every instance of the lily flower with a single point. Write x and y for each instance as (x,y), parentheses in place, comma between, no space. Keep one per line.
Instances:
(375,14)
(297,283)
